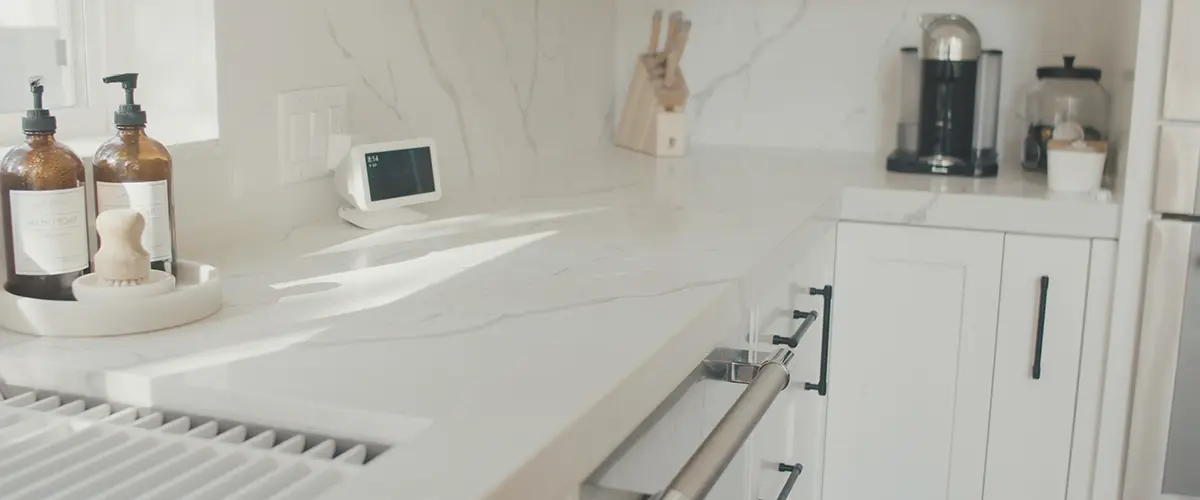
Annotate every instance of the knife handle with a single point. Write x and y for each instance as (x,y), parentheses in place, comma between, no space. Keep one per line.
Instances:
(676,44)
(681,38)
(655,30)
(673,24)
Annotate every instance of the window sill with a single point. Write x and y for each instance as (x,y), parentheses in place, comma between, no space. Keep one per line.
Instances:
(85,147)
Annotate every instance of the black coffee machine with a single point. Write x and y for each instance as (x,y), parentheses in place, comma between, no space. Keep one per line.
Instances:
(950,100)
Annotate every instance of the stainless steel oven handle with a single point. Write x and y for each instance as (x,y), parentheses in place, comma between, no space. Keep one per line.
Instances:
(702,470)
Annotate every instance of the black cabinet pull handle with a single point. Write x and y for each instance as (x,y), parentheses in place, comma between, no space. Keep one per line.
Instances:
(1041,329)
(822,385)
(809,317)
(793,471)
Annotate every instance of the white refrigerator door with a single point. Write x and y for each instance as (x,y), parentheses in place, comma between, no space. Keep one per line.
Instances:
(1164,444)
(1178,170)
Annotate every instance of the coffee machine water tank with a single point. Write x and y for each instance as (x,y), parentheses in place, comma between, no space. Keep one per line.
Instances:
(949,38)
(956,88)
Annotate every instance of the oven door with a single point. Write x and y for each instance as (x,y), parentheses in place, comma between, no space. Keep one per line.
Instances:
(692,446)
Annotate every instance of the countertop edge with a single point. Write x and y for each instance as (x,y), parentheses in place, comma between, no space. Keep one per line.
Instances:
(970,211)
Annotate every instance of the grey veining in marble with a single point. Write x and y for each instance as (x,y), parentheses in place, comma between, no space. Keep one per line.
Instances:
(823,74)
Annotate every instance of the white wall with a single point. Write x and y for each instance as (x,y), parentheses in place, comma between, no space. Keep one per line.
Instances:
(497,84)
(501,83)
(823,74)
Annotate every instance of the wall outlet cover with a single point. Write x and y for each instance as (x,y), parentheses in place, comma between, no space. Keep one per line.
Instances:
(306,120)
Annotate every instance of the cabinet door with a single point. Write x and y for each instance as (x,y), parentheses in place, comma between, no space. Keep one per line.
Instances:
(1180,99)
(911,362)
(1085,478)
(1033,390)
(793,430)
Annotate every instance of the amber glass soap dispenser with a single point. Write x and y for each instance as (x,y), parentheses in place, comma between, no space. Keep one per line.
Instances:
(134,171)
(45,209)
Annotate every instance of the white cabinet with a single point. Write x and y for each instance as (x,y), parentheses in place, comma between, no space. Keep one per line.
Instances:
(1043,295)
(1180,99)
(934,392)
(793,430)
(931,386)
(910,362)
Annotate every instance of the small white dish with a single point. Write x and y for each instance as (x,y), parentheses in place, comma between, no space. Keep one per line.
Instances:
(87,288)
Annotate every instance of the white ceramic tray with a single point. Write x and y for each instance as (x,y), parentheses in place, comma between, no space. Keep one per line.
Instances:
(196,296)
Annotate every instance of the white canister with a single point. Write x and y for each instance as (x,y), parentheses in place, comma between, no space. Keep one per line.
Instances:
(1076,167)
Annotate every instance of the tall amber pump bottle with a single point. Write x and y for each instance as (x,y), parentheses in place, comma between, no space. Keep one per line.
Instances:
(134,171)
(45,209)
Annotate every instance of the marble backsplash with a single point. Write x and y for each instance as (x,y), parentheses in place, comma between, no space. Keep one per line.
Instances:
(493,82)
(823,74)
(497,84)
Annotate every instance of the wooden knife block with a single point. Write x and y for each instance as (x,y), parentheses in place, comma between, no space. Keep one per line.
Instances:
(654,120)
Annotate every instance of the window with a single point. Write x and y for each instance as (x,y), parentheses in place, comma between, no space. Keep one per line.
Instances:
(73,44)
(58,40)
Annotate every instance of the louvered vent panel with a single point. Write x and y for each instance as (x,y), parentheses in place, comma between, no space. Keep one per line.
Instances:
(59,447)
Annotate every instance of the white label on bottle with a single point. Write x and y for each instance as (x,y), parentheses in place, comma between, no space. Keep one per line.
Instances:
(49,231)
(149,198)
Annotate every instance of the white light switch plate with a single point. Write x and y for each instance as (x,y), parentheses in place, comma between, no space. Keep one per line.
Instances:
(306,119)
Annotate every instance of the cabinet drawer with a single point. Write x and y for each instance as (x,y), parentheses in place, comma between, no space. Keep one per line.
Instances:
(1181,101)
(1177,170)
(793,430)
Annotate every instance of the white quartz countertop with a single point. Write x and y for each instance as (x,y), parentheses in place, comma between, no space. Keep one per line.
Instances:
(504,347)
(1015,201)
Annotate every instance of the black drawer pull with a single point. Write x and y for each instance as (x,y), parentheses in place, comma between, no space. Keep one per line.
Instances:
(822,385)
(1041,329)
(793,471)
(809,317)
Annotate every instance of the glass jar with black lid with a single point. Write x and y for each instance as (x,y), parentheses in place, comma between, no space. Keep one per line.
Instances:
(1063,94)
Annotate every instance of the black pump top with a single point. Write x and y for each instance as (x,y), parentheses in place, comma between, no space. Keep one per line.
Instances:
(38,119)
(129,114)
(1069,70)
